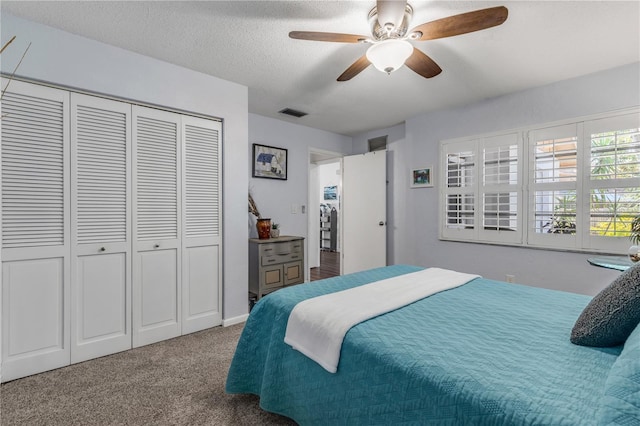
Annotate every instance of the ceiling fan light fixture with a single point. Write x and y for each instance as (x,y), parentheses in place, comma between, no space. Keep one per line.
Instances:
(389,55)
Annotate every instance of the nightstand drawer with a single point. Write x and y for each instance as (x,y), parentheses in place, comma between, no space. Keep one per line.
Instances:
(270,260)
(280,258)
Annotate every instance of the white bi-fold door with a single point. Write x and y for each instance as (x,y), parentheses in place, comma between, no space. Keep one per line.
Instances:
(100,229)
(35,226)
(177,238)
(202,236)
(156,225)
(111,218)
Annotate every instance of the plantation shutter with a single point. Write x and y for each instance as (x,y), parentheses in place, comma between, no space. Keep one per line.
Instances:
(553,186)
(460,190)
(101,175)
(33,170)
(500,192)
(612,180)
(202,180)
(157,179)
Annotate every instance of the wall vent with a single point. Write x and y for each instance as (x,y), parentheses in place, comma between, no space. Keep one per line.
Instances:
(378,144)
(293,112)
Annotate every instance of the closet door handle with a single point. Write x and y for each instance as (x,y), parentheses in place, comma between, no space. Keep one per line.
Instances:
(156,246)
(102,249)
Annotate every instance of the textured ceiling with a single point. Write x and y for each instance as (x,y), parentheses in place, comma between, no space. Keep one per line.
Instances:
(247,42)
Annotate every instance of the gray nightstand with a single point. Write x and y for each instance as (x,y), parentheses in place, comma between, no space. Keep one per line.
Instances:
(275,263)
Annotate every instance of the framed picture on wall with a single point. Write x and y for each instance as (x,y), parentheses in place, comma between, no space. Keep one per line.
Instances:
(269,162)
(422,177)
(331,192)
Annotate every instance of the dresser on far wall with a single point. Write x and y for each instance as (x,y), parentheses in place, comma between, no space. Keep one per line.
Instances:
(275,263)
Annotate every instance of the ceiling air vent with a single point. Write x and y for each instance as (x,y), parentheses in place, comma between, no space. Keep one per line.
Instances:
(293,112)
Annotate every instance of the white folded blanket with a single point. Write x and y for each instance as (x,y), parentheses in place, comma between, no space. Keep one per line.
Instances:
(317,326)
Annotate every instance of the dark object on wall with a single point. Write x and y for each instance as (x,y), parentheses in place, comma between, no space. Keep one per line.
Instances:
(378,144)
(269,162)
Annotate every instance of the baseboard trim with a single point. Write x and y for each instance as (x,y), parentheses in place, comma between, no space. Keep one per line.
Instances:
(235,320)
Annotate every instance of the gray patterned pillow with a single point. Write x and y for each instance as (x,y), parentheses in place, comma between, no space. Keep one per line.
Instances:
(612,314)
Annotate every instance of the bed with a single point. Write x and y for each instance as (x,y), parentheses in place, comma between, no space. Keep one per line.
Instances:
(485,353)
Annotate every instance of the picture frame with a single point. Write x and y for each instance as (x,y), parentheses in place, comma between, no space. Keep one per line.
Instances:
(331,193)
(421,177)
(269,162)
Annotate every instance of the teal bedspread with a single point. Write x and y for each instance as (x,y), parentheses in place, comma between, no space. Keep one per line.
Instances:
(486,353)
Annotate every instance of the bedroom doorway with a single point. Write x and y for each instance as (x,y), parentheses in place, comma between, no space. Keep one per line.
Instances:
(324,214)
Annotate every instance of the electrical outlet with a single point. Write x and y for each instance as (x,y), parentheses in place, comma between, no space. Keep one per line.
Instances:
(510,278)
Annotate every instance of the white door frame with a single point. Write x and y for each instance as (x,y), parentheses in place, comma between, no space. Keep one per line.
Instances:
(317,156)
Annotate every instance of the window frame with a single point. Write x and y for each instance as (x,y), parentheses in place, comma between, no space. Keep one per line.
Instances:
(526,187)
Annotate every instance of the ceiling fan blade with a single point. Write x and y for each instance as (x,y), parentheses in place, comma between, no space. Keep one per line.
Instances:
(463,23)
(422,64)
(356,68)
(390,11)
(319,36)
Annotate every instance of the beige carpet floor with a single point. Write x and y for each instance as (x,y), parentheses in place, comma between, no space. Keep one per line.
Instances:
(175,382)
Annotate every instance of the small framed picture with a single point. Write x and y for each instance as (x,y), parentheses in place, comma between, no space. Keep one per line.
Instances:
(331,192)
(269,162)
(422,177)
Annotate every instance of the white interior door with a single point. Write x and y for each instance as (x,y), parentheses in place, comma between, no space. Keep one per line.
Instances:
(35,230)
(364,218)
(202,239)
(101,228)
(157,226)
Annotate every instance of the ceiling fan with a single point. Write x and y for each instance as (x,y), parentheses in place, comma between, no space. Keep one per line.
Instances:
(390,47)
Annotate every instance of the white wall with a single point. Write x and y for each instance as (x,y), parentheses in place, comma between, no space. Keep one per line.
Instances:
(76,62)
(275,198)
(415,224)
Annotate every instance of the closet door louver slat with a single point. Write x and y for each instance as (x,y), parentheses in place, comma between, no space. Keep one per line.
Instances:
(157,179)
(101,179)
(202,182)
(38,195)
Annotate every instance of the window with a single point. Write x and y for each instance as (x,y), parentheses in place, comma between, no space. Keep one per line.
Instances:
(612,179)
(570,186)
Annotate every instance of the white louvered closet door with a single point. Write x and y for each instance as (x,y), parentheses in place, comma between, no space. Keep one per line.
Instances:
(101,228)
(35,230)
(157,223)
(201,240)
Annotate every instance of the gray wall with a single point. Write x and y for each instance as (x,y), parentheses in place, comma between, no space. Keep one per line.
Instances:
(274,198)
(415,218)
(65,59)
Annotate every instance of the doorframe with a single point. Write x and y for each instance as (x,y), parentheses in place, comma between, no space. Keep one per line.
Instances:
(318,156)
